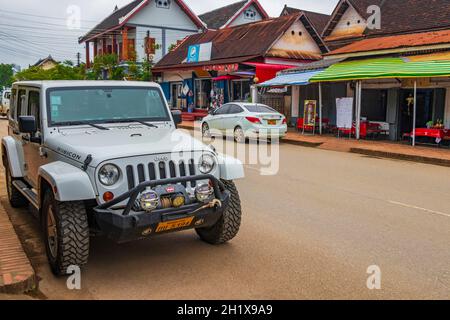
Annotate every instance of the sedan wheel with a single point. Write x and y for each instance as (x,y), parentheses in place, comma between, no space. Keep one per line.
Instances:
(239,136)
(205,131)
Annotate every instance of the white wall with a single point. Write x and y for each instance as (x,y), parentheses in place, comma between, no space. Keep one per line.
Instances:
(171,38)
(293,41)
(159,19)
(242,19)
(174,17)
(356,27)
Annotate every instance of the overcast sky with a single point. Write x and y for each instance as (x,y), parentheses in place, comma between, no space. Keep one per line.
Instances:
(30,30)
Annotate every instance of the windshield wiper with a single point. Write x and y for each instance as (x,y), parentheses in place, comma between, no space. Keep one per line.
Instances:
(134,120)
(80,123)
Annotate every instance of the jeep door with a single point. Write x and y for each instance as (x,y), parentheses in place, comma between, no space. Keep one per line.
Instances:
(33,156)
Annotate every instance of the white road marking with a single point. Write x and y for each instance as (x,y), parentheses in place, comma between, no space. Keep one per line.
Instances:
(419,208)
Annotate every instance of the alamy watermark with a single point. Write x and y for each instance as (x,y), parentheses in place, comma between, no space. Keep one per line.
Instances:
(74,279)
(374,280)
(73,21)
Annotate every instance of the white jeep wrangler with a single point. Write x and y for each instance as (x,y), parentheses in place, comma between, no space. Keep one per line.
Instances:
(105,158)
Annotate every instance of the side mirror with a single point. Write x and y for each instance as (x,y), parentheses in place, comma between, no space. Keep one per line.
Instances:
(27,124)
(176,114)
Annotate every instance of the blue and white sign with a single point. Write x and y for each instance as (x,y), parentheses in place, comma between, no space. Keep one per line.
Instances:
(193,53)
(199,52)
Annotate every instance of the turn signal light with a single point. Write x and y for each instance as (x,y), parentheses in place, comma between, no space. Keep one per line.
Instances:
(284,121)
(108,196)
(253,120)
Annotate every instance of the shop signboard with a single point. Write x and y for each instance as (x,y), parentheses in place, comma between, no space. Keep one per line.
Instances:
(344,116)
(421,82)
(309,113)
(222,67)
(199,52)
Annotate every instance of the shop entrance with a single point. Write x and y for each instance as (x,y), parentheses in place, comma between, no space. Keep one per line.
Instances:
(203,93)
(425,102)
(176,94)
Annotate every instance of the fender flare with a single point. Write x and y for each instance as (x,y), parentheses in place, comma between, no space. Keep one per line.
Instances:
(69,183)
(11,148)
(230,168)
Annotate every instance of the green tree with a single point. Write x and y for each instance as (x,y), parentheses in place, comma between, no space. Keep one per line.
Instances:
(109,63)
(6,75)
(59,72)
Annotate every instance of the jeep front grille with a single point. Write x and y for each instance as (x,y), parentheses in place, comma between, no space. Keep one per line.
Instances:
(160,170)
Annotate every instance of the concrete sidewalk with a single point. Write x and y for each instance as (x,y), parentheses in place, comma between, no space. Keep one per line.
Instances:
(384,149)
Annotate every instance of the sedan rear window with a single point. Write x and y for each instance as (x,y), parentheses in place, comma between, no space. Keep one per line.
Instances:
(260,108)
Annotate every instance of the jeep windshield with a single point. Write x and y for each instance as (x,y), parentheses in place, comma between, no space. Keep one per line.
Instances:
(94,105)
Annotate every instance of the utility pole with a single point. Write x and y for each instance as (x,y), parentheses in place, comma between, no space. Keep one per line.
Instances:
(148,52)
(78,59)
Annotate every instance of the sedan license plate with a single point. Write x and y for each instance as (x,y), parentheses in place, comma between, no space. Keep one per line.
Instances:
(176,224)
(272,122)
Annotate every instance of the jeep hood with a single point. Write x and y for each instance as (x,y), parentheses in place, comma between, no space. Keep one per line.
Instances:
(120,143)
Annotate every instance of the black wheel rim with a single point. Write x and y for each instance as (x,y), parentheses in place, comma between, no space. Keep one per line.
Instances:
(52,234)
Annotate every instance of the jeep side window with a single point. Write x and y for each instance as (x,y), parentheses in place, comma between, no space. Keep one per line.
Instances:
(12,104)
(21,107)
(33,107)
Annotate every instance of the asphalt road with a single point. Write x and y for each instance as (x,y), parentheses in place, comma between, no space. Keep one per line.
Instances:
(309,232)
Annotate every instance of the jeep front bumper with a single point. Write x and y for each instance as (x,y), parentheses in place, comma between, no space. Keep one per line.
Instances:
(123,223)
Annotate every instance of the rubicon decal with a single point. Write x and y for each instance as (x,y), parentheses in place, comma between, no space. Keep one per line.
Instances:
(69,154)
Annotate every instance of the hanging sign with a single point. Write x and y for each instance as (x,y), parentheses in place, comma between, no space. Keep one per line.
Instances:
(309,114)
(344,110)
(199,52)
(185,90)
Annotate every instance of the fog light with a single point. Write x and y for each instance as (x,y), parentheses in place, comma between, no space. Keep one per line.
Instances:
(203,193)
(149,200)
(108,196)
(178,201)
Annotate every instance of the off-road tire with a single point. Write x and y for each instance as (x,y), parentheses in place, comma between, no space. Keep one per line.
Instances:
(72,231)
(16,199)
(228,225)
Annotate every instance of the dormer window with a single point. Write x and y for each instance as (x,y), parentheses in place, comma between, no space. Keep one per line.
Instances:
(164,4)
(250,14)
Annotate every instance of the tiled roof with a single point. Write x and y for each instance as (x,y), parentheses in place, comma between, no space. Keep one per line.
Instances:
(318,20)
(219,17)
(111,21)
(235,42)
(402,16)
(41,61)
(396,41)
(398,16)
(222,17)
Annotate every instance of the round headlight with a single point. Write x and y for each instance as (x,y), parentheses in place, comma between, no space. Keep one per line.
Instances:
(108,174)
(206,163)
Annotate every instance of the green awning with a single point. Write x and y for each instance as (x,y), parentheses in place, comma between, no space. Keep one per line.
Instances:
(383,68)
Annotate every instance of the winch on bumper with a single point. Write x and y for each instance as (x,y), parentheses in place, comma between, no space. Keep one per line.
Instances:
(130,221)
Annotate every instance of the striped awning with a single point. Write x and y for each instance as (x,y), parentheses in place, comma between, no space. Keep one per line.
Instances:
(298,79)
(384,68)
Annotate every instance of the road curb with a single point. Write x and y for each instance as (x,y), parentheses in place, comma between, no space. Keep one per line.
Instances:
(401,156)
(362,151)
(16,273)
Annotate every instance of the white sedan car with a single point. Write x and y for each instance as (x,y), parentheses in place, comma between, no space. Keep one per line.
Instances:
(245,120)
